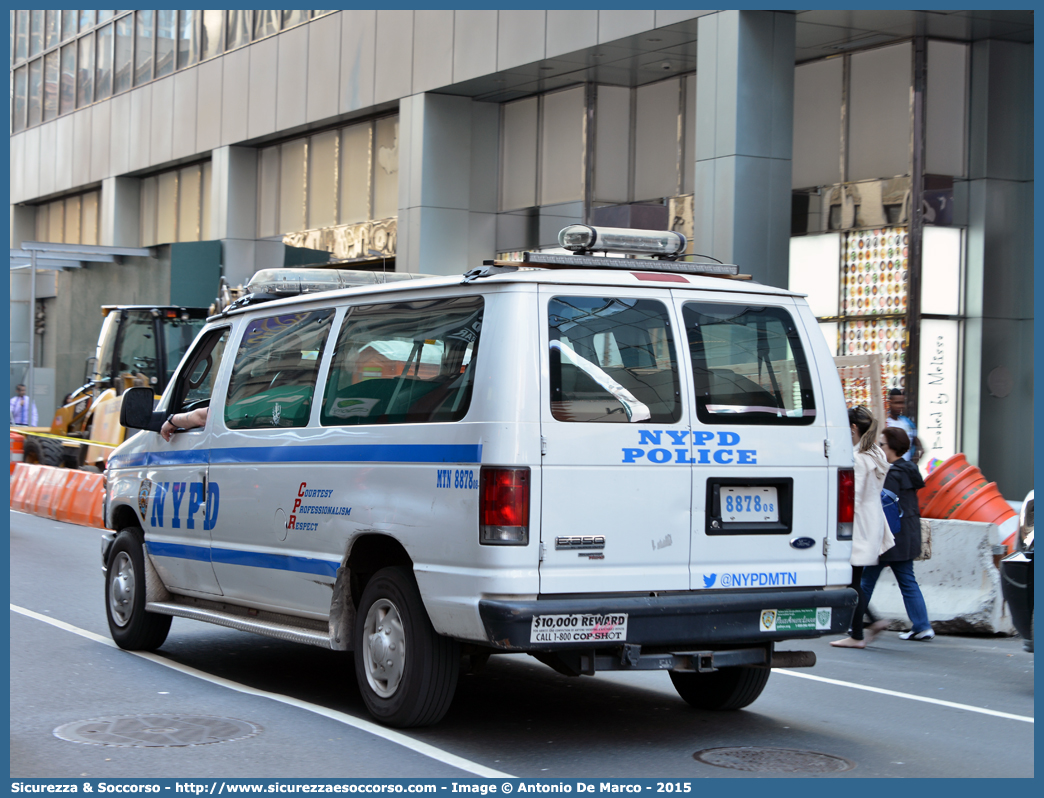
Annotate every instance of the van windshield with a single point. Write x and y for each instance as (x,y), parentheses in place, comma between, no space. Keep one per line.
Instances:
(748,365)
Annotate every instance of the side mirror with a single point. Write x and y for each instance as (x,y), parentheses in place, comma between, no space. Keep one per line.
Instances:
(136,410)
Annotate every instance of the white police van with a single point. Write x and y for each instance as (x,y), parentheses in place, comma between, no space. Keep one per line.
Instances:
(604,462)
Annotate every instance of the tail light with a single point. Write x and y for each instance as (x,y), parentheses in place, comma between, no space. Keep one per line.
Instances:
(504,506)
(845,502)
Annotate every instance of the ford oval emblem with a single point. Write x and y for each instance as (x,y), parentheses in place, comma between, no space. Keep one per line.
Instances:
(802,543)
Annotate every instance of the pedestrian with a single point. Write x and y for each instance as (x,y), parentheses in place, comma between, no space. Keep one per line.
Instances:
(895,418)
(904,480)
(870,534)
(23,409)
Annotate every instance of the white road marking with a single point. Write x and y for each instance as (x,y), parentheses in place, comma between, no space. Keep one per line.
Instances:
(348,720)
(910,696)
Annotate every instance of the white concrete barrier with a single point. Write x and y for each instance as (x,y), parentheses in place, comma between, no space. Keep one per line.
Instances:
(960,583)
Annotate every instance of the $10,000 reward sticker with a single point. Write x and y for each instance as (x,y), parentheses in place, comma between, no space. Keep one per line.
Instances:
(579,628)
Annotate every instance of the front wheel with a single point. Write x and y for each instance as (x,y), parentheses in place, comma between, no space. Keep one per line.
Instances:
(407,672)
(130,626)
(725,689)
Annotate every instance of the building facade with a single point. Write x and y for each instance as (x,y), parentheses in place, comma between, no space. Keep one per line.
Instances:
(879,161)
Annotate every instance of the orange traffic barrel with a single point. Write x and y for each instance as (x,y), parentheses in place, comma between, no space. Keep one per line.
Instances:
(17,449)
(20,483)
(987,506)
(954,493)
(83,499)
(939,478)
(64,504)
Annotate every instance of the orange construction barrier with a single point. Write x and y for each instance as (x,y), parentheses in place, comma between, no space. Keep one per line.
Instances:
(20,482)
(958,490)
(64,504)
(84,497)
(986,506)
(940,477)
(37,477)
(97,516)
(52,485)
(17,449)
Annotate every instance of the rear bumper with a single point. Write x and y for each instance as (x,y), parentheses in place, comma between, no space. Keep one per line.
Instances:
(691,620)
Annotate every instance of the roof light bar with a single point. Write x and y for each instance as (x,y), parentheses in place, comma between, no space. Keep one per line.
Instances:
(290,281)
(583,238)
(554,261)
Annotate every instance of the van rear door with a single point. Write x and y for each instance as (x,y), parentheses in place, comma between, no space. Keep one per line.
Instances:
(760,477)
(616,476)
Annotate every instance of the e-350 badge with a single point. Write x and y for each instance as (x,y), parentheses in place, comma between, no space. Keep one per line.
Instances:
(143,497)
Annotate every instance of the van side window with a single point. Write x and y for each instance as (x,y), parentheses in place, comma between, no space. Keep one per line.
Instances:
(407,362)
(196,385)
(273,377)
(612,360)
(748,365)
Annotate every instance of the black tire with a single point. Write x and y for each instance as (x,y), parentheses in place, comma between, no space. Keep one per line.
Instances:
(725,689)
(43,451)
(407,672)
(130,626)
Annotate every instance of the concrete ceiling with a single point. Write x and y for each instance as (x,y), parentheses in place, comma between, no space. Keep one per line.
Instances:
(657,54)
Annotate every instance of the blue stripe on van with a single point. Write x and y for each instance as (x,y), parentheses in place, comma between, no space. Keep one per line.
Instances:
(254,559)
(347,453)
(178,550)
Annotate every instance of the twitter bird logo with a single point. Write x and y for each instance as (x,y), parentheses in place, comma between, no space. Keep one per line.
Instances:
(708,579)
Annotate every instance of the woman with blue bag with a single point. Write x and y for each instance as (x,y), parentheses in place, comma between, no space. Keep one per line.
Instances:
(870,533)
(904,480)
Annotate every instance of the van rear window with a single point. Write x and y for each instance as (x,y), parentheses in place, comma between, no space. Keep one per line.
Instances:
(407,362)
(612,360)
(748,365)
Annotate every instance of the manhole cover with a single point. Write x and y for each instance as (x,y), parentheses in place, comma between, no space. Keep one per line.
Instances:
(156,731)
(773,760)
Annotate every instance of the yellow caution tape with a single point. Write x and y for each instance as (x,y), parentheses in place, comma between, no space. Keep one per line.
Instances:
(64,438)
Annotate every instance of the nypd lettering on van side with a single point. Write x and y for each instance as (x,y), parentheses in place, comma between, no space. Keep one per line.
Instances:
(673,446)
(177,503)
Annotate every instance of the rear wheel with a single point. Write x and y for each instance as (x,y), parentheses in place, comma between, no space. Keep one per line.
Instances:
(407,672)
(43,451)
(129,624)
(725,689)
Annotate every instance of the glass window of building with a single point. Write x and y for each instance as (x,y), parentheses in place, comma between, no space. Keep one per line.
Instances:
(175,206)
(211,38)
(73,220)
(51,78)
(87,19)
(166,30)
(56,222)
(354,174)
(386,168)
(518,154)
(322,180)
(89,218)
(67,99)
(239,25)
(21,48)
(21,77)
(166,208)
(103,75)
(85,71)
(51,29)
(293,155)
(189,185)
(124,52)
(266,23)
(291,18)
(268,192)
(188,38)
(36,34)
(657,165)
(562,147)
(35,91)
(143,47)
(104,15)
(69,24)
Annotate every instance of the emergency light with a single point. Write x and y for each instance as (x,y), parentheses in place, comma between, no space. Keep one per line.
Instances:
(582,238)
(290,281)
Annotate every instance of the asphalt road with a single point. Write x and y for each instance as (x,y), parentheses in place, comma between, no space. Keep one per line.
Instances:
(877,708)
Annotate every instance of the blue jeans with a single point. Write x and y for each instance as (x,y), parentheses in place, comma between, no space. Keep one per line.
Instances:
(912,598)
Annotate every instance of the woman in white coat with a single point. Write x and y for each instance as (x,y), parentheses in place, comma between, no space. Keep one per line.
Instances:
(870,534)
